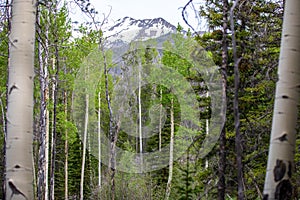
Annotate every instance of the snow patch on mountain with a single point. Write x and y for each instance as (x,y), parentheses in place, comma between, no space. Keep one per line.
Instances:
(126,30)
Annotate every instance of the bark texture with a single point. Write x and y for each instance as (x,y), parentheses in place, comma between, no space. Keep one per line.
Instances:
(99,138)
(283,136)
(84,142)
(19,158)
(168,190)
(43,160)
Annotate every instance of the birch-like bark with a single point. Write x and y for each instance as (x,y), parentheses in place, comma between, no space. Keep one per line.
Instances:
(160,120)
(54,122)
(206,133)
(278,184)
(47,122)
(19,157)
(47,151)
(168,190)
(43,53)
(86,122)
(66,148)
(99,138)
(140,117)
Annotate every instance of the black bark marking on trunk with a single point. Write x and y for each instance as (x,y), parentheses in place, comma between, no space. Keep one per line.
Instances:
(17,167)
(282,138)
(285,96)
(279,170)
(12,88)
(284,190)
(15,190)
(290,169)
(265,197)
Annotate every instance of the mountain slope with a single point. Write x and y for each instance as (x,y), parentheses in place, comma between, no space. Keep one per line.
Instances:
(125,30)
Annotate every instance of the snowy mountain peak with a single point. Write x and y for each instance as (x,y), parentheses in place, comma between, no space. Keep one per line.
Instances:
(128,29)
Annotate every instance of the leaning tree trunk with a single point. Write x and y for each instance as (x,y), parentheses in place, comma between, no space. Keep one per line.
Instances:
(168,190)
(19,158)
(283,136)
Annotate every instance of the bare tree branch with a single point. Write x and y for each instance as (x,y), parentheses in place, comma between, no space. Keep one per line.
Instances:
(184,18)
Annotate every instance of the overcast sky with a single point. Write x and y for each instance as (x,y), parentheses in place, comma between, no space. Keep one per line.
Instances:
(170,10)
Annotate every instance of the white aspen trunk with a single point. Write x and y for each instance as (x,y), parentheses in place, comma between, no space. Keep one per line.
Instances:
(66,167)
(168,190)
(47,152)
(66,150)
(278,184)
(137,139)
(47,117)
(56,69)
(19,157)
(99,138)
(42,189)
(42,123)
(52,180)
(160,120)
(206,133)
(206,160)
(86,121)
(140,118)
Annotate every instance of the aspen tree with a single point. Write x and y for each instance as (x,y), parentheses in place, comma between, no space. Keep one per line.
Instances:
(171,159)
(283,136)
(19,158)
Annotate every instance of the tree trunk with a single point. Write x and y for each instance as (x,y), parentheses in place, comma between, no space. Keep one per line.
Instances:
(86,122)
(19,158)
(168,190)
(52,136)
(160,119)
(222,140)
(113,131)
(66,147)
(206,132)
(55,68)
(238,137)
(47,153)
(99,138)
(42,189)
(140,117)
(283,136)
